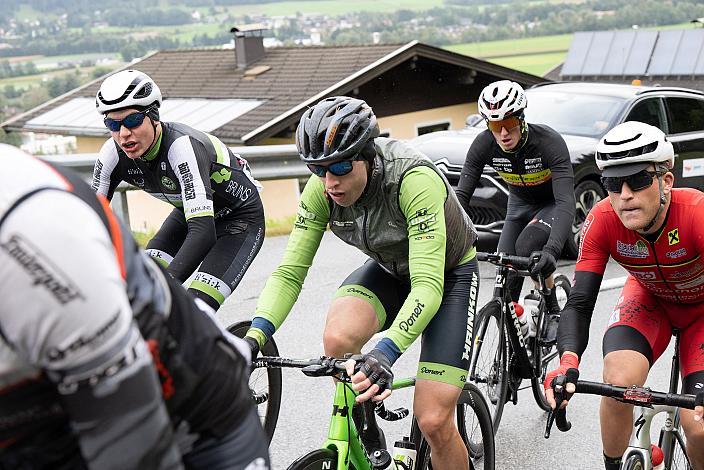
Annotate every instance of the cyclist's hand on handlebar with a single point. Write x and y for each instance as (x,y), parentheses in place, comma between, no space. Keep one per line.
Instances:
(567,362)
(371,375)
(253,346)
(545,264)
(699,407)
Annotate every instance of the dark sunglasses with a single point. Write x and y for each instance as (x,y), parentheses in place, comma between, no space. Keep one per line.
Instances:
(130,121)
(340,168)
(637,182)
(509,124)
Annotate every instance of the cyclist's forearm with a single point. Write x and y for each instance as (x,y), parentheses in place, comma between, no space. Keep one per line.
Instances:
(199,240)
(563,190)
(575,320)
(420,307)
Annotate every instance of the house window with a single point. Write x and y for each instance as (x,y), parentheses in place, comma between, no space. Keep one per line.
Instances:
(432,127)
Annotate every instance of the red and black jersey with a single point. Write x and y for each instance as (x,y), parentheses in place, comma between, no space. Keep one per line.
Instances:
(671,267)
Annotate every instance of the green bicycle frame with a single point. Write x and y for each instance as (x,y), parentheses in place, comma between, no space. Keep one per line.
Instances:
(342,433)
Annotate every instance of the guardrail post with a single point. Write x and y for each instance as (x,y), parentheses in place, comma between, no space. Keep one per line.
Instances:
(120,207)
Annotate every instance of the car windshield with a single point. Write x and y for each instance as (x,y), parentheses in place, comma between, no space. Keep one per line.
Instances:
(572,113)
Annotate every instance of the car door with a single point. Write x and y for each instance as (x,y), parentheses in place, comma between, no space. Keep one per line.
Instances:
(686,132)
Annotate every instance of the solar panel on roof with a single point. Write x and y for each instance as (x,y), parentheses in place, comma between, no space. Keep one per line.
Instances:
(618,53)
(598,53)
(688,53)
(643,44)
(577,53)
(664,54)
(205,115)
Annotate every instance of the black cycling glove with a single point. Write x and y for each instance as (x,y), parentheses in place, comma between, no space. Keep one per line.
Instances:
(545,265)
(253,346)
(377,367)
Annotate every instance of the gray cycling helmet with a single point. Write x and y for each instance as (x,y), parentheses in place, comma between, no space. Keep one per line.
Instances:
(337,128)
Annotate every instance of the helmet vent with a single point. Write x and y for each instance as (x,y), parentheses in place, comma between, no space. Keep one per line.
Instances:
(144,91)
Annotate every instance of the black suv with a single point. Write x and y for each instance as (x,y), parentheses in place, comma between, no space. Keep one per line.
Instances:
(582,113)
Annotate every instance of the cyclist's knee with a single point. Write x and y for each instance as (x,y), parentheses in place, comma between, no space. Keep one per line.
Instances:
(625,368)
(437,424)
(693,430)
(338,342)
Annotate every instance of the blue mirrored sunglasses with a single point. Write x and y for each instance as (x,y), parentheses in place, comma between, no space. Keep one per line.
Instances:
(130,121)
(338,168)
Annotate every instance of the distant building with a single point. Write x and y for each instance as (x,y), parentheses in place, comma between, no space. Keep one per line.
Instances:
(255,96)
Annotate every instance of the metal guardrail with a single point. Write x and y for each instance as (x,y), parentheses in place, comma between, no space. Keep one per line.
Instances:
(268,162)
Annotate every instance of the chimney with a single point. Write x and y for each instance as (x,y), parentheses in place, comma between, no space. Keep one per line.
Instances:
(249,44)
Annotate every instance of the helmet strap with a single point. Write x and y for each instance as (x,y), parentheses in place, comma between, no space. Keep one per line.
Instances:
(663,201)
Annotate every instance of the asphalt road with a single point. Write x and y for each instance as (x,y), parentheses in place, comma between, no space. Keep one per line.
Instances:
(306,404)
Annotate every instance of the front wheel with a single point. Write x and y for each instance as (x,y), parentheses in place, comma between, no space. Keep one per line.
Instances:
(475,428)
(319,459)
(546,357)
(674,449)
(489,368)
(587,193)
(634,462)
(265,384)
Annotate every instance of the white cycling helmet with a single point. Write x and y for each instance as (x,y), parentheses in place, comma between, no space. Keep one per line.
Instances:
(502,99)
(127,89)
(631,147)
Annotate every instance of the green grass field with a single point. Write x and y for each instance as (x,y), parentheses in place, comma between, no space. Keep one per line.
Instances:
(542,44)
(537,64)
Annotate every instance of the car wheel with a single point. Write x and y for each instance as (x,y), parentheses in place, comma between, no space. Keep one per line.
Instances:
(587,193)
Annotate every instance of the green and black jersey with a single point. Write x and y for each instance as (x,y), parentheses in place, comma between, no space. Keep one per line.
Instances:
(408,220)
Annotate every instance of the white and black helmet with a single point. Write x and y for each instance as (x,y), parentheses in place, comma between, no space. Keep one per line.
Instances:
(631,147)
(501,100)
(336,128)
(127,89)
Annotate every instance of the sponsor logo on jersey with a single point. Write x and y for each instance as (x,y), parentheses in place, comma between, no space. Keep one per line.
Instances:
(168,183)
(59,353)
(96,174)
(644,275)
(585,228)
(134,171)
(238,191)
(689,272)
(187,177)
(636,250)
(220,176)
(423,221)
(406,324)
(697,281)
(673,237)
(677,253)
(42,271)
(163,166)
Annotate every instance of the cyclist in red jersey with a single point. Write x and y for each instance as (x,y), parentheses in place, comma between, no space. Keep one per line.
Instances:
(656,232)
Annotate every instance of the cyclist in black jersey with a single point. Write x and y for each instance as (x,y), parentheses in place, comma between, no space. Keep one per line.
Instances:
(534,161)
(218,217)
(105,361)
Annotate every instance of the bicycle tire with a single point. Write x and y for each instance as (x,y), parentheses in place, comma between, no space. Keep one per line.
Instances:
(264,381)
(547,357)
(634,462)
(318,459)
(489,369)
(475,427)
(675,454)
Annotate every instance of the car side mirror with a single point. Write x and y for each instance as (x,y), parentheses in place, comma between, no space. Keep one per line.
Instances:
(473,119)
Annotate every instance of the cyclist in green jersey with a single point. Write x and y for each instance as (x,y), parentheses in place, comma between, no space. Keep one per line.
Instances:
(388,200)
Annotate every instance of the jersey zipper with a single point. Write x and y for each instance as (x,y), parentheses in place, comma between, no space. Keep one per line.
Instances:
(662,275)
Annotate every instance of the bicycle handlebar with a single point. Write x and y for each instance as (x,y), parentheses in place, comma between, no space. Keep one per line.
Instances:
(324,366)
(640,396)
(520,264)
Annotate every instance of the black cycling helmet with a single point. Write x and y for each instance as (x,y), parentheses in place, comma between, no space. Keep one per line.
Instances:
(337,128)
